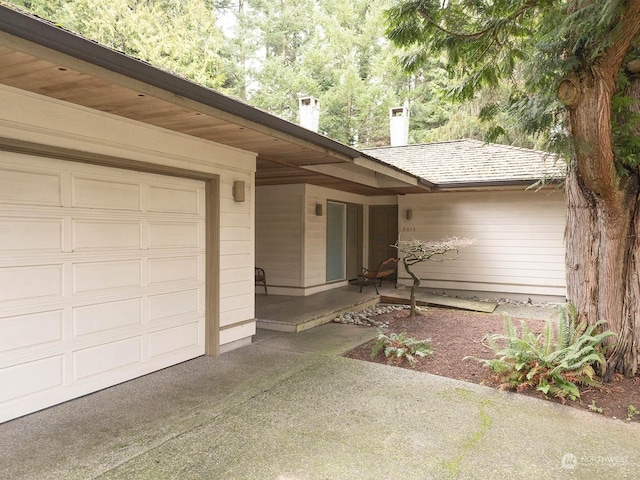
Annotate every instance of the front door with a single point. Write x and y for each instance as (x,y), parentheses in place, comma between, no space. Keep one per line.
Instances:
(383,232)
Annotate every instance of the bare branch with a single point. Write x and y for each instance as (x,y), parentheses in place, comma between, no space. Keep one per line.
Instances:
(417,251)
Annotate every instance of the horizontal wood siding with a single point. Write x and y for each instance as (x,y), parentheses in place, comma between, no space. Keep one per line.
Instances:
(315,261)
(279,234)
(519,240)
(237,301)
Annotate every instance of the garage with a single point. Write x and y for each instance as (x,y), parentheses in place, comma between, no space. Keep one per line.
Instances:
(102,277)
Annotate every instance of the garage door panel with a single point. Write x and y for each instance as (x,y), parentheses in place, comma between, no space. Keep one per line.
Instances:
(174,304)
(103,317)
(102,277)
(95,234)
(98,276)
(107,357)
(111,194)
(30,188)
(30,330)
(29,378)
(30,282)
(173,339)
(30,234)
(173,269)
(174,200)
(174,235)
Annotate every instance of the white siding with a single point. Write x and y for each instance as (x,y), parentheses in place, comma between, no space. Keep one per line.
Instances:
(280,234)
(519,245)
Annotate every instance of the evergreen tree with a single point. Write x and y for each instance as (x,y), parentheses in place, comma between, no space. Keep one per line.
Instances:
(181,37)
(573,69)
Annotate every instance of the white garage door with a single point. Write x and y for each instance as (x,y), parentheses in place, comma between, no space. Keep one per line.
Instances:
(101,278)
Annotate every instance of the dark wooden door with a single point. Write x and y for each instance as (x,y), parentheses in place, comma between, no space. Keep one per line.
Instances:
(383,232)
(354,240)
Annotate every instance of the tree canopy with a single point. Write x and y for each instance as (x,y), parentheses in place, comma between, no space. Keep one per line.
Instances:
(268,53)
(519,49)
(180,37)
(572,73)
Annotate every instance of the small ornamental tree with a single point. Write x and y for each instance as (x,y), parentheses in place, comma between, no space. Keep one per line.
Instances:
(412,252)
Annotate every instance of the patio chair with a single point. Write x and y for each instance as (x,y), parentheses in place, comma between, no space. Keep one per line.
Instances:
(261,278)
(386,271)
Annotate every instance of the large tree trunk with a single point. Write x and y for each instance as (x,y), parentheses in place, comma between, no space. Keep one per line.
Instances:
(603,221)
(603,264)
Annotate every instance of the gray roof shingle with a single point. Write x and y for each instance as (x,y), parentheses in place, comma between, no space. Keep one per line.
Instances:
(471,162)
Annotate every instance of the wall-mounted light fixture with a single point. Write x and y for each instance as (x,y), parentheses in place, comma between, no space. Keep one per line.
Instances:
(238,191)
(319,209)
(409,214)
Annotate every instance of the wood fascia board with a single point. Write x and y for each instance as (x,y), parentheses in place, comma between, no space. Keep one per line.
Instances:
(358,174)
(87,68)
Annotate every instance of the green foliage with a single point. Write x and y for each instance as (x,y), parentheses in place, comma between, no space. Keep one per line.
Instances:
(625,119)
(594,408)
(632,411)
(553,362)
(527,47)
(268,53)
(400,347)
(180,37)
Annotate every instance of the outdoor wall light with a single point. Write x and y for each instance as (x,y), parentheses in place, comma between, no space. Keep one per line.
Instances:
(319,209)
(409,214)
(238,191)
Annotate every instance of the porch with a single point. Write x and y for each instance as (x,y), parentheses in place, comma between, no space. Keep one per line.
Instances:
(295,314)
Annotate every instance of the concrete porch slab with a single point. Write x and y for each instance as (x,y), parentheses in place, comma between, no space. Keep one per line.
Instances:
(295,314)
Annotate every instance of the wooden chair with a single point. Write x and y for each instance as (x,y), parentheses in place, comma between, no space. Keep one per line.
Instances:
(386,271)
(261,278)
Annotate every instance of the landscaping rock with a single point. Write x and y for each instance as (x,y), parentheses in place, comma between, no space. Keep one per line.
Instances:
(367,317)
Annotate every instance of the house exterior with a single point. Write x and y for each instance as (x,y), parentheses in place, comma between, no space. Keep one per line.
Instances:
(481,192)
(133,206)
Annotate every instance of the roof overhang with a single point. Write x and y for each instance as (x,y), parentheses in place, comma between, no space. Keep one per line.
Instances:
(39,57)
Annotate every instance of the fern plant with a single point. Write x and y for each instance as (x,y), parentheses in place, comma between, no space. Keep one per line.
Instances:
(553,363)
(398,347)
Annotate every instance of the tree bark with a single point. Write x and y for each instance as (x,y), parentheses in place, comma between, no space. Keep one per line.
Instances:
(414,290)
(603,264)
(603,253)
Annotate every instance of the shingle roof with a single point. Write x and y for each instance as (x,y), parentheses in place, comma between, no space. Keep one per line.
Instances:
(471,162)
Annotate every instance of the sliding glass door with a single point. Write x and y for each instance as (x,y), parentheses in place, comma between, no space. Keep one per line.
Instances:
(336,241)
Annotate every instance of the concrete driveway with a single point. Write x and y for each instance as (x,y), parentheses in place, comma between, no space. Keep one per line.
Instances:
(289,407)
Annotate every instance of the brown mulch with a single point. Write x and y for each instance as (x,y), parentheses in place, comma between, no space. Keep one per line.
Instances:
(456,334)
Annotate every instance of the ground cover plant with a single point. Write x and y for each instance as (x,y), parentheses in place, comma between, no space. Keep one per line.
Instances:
(456,334)
(555,362)
(399,347)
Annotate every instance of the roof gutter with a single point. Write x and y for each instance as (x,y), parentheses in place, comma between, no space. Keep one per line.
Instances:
(494,183)
(46,34)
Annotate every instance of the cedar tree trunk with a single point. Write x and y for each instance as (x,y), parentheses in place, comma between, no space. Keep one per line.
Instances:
(603,221)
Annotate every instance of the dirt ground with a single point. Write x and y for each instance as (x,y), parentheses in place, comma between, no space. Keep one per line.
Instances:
(456,334)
